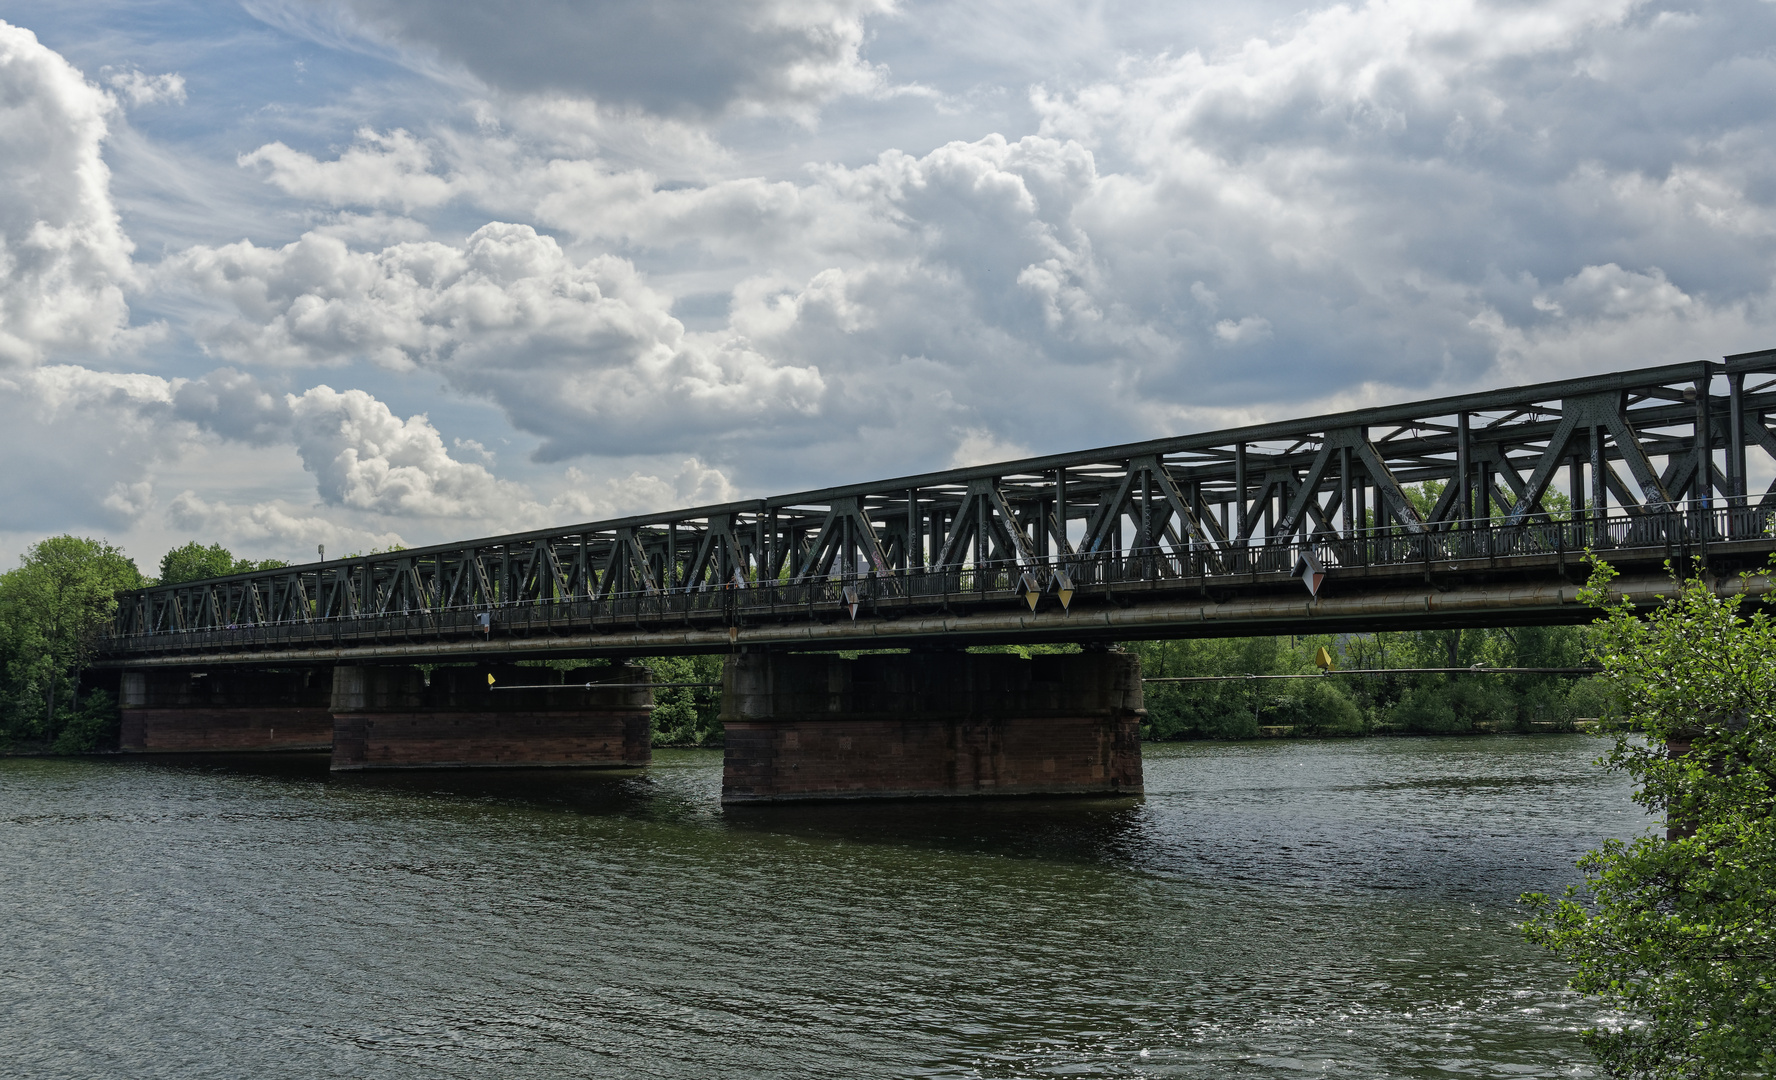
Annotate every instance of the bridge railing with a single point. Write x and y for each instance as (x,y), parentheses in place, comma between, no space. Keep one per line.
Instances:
(1671,533)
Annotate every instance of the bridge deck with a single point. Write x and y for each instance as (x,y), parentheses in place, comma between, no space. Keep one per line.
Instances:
(1123,596)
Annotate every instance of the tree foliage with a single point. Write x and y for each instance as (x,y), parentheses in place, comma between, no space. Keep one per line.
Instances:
(1383,703)
(53,608)
(687,715)
(1678,930)
(194,562)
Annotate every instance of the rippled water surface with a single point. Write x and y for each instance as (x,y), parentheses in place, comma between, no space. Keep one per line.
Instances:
(1274,909)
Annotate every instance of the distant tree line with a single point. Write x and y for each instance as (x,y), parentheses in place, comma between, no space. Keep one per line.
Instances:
(1365,704)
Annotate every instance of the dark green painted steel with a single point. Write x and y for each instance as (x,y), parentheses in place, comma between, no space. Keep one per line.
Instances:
(1660,458)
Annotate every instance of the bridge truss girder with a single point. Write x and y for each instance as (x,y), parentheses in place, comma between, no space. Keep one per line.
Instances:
(1645,444)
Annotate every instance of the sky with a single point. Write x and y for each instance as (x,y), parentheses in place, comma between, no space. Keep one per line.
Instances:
(279,273)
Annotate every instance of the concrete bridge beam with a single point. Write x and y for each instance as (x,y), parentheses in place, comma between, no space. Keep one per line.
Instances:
(395,717)
(819,727)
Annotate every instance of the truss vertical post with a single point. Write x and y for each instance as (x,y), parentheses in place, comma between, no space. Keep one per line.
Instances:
(1348,498)
(1061,502)
(1239,488)
(1147,523)
(1735,451)
(1575,483)
(1599,485)
(982,548)
(1463,467)
(1704,441)
(915,534)
(760,545)
(1736,437)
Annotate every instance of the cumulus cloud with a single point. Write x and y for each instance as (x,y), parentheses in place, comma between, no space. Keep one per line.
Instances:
(138,88)
(671,57)
(82,446)
(365,457)
(692,483)
(273,521)
(98,450)
(380,169)
(1381,185)
(234,405)
(1360,202)
(979,447)
(63,254)
(1391,195)
(584,354)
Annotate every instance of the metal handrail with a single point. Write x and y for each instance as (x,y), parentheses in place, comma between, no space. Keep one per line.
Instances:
(1671,531)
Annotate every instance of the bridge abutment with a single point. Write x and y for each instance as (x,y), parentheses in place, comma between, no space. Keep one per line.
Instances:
(394,717)
(222,711)
(819,727)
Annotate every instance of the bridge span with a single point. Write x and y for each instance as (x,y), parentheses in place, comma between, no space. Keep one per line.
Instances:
(1460,511)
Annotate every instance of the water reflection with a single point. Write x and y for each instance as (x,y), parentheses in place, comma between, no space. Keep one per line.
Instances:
(1339,907)
(1072,829)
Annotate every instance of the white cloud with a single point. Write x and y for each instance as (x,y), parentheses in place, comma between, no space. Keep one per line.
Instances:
(138,88)
(1249,329)
(81,446)
(274,522)
(584,354)
(365,457)
(977,447)
(63,254)
(392,169)
(693,484)
(1357,203)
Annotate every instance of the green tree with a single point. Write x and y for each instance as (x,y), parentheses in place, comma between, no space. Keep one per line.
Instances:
(194,562)
(686,715)
(53,608)
(1237,708)
(1424,497)
(1679,930)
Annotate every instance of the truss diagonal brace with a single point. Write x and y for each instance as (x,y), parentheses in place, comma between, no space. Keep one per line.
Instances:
(1305,491)
(1379,474)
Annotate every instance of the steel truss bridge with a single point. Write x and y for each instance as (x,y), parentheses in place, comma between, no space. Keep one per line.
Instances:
(1459,511)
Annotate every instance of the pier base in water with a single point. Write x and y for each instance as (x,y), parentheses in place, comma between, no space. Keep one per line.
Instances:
(394,718)
(809,727)
(231,712)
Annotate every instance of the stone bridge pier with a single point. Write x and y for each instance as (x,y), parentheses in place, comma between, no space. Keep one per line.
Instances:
(223,711)
(395,717)
(820,727)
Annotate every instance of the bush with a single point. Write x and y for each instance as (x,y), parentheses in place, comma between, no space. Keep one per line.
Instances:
(1679,930)
(91,727)
(687,715)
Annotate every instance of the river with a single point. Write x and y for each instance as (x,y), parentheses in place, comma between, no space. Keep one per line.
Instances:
(1342,908)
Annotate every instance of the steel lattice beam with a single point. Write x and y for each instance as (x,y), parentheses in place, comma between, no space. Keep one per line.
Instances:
(1656,459)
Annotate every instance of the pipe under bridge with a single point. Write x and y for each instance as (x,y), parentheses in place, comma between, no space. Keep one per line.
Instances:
(1459,511)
